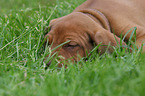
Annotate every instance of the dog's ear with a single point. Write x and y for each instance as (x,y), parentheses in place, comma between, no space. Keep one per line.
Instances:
(107,40)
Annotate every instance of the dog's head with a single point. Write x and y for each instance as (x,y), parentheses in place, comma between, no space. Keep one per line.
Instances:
(81,31)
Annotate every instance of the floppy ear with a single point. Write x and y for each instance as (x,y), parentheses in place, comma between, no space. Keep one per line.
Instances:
(107,40)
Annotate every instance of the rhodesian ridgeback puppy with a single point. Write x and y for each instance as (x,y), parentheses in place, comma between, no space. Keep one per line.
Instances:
(97,21)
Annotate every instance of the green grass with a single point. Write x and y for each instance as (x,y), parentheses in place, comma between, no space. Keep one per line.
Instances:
(22,72)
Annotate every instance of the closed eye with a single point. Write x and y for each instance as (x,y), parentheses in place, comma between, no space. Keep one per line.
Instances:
(68,45)
(71,45)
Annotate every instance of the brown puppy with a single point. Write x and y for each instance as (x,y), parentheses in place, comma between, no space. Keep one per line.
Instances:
(95,21)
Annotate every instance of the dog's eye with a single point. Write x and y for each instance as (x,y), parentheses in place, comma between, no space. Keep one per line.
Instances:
(71,45)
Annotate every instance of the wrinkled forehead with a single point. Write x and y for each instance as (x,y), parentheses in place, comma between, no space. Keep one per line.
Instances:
(67,28)
(64,32)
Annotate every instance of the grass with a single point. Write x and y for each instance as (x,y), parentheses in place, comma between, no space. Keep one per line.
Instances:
(22,72)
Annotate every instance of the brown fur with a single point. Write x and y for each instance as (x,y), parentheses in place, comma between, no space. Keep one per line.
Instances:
(95,21)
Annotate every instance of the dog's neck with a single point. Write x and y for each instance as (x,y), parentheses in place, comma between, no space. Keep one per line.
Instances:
(97,16)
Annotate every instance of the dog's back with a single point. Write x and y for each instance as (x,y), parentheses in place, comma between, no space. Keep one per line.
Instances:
(121,14)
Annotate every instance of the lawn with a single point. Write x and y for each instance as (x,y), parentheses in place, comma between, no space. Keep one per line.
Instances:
(22,51)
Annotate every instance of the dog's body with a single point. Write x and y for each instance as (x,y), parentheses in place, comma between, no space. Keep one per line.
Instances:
(121,14)
(96,21)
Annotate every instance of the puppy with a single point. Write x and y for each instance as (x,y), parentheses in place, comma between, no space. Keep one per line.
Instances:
(97,22)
